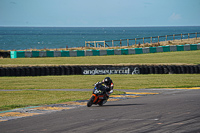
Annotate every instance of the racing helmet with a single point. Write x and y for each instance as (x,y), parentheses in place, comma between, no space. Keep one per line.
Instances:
(107,81)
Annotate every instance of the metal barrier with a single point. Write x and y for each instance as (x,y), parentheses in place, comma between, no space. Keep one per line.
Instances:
(77,53)
(134,41)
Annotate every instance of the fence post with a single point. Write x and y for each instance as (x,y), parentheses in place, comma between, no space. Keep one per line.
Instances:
(127,42)
(196,35)
(94,43)
(135,40)
(173,37)
(151,39)
(143,40)
(181,37)
(166,38)
(104,43)
(158,38)
(85,44)
(120,42)
(112,43)
(188,36)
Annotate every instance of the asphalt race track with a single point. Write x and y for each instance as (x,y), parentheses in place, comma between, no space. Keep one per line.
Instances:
(170,111)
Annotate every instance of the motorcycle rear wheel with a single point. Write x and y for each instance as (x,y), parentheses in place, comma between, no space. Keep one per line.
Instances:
(90,102)
(101,103)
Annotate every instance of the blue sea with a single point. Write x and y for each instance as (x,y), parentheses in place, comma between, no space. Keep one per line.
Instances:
(16,38)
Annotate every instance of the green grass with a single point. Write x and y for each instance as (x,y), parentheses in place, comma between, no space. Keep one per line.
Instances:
(16,99)
(13,99)
(184,57)
(86,81)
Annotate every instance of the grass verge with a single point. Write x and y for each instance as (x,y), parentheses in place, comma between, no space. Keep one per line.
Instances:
(183,57)
(18,99)
(86,81)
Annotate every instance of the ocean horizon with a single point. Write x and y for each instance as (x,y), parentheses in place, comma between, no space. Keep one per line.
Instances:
(17,38)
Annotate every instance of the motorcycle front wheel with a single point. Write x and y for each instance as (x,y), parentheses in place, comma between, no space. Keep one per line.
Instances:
(90,102)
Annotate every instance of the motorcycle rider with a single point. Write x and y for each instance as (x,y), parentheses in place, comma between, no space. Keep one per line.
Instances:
(108,83)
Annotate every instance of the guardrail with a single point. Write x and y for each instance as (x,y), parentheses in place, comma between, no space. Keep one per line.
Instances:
(134,41)
(76,53)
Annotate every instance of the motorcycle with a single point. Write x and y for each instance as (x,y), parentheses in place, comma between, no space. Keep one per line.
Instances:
(98,96)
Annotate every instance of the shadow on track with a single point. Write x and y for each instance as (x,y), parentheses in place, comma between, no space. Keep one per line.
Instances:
(117,105)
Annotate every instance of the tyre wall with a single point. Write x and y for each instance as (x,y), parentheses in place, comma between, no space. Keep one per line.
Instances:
(99,70)
(5,54)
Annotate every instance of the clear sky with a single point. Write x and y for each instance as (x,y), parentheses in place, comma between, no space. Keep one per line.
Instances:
(99,13)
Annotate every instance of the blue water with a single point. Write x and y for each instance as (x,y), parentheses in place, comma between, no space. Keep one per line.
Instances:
(59,37)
